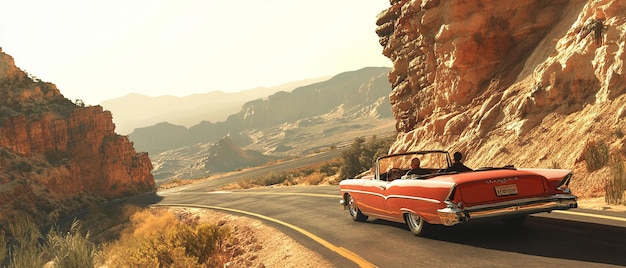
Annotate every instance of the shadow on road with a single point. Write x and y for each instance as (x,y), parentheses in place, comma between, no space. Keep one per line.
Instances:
(546,237)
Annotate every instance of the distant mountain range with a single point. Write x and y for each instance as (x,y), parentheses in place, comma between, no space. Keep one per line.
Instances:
(306,119)
(136,110)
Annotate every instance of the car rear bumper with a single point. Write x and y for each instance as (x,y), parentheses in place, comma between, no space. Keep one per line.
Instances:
(453,214)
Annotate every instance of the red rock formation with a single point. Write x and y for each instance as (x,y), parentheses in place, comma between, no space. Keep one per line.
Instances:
(508,82)
(52,150)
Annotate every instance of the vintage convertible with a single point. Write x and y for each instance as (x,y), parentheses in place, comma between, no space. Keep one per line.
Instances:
(440,196)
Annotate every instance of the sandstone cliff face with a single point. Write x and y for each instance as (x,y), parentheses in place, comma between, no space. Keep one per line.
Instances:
(528,83)
(56,156)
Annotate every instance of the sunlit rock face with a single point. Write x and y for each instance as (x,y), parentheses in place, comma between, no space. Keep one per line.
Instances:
(56,156)
(507,82)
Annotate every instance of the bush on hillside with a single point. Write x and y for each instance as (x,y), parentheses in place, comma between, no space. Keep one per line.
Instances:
(309,175)
(362,154)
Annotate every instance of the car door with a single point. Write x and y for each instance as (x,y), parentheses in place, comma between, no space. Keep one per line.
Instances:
(373,201)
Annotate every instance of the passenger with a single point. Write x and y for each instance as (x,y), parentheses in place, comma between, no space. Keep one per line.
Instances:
(457,165)
(416,169)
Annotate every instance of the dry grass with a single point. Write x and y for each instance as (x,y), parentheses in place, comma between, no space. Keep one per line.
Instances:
(615,187)
(153,238)
(596,155)
(158,239)
(310,175)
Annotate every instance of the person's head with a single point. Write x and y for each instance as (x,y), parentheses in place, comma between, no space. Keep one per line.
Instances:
(415,162)
(458,156)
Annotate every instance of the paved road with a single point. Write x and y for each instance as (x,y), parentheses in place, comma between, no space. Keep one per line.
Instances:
(312,216)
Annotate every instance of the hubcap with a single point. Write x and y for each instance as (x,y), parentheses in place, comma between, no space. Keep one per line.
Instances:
(351,206)
(414,221)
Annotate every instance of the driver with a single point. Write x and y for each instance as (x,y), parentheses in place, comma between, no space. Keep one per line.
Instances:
(416,169)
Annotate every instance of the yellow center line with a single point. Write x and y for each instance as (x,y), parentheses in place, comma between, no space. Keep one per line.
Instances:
(338,195)
(339,250)
(590,215)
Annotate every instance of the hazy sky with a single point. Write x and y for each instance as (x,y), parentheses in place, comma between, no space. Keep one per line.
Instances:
(98,50)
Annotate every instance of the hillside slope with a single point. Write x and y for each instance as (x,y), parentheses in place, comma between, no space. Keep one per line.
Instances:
(285,124)
(136,110)
(361,93)
(57,156)
(529,83)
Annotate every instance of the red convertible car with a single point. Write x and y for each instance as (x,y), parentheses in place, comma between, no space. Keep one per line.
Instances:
(432,194)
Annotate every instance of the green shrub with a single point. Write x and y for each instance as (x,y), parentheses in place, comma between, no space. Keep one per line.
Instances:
(596,155)
(362,154)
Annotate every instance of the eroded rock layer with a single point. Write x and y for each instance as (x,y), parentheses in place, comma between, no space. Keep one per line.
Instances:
(529,83)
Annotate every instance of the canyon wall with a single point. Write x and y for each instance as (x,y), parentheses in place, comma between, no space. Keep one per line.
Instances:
(57,156)
(528,83)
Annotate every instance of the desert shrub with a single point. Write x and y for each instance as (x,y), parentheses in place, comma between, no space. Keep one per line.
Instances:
(245,184)
(314,178)
(362,154)
(331,168)
(21,166)
(596,155)
(56,157)
(274,178)
(160,240)
(311,175)
(202,241)
(616,185)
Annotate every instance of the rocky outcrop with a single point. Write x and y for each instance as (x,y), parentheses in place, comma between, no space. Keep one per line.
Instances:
(56,152)
(225,156)
(528,83)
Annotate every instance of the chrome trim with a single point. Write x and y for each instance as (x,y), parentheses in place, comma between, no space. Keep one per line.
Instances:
(395,196)
(453,214)
(414,198)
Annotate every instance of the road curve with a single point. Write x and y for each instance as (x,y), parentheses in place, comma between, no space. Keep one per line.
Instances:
(312,216)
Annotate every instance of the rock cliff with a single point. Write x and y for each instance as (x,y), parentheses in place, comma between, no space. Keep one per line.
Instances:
(529,83)
(57,156)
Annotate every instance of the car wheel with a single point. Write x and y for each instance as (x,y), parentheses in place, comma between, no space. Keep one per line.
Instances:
(416,223)
(517,220)
(355,212)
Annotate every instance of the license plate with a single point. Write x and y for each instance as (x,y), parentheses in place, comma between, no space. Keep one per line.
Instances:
(503,190)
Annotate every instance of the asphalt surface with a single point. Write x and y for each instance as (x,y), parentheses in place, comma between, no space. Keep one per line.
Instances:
(313,217)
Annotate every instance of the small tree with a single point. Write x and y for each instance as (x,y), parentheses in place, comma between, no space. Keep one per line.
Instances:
(362,155)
